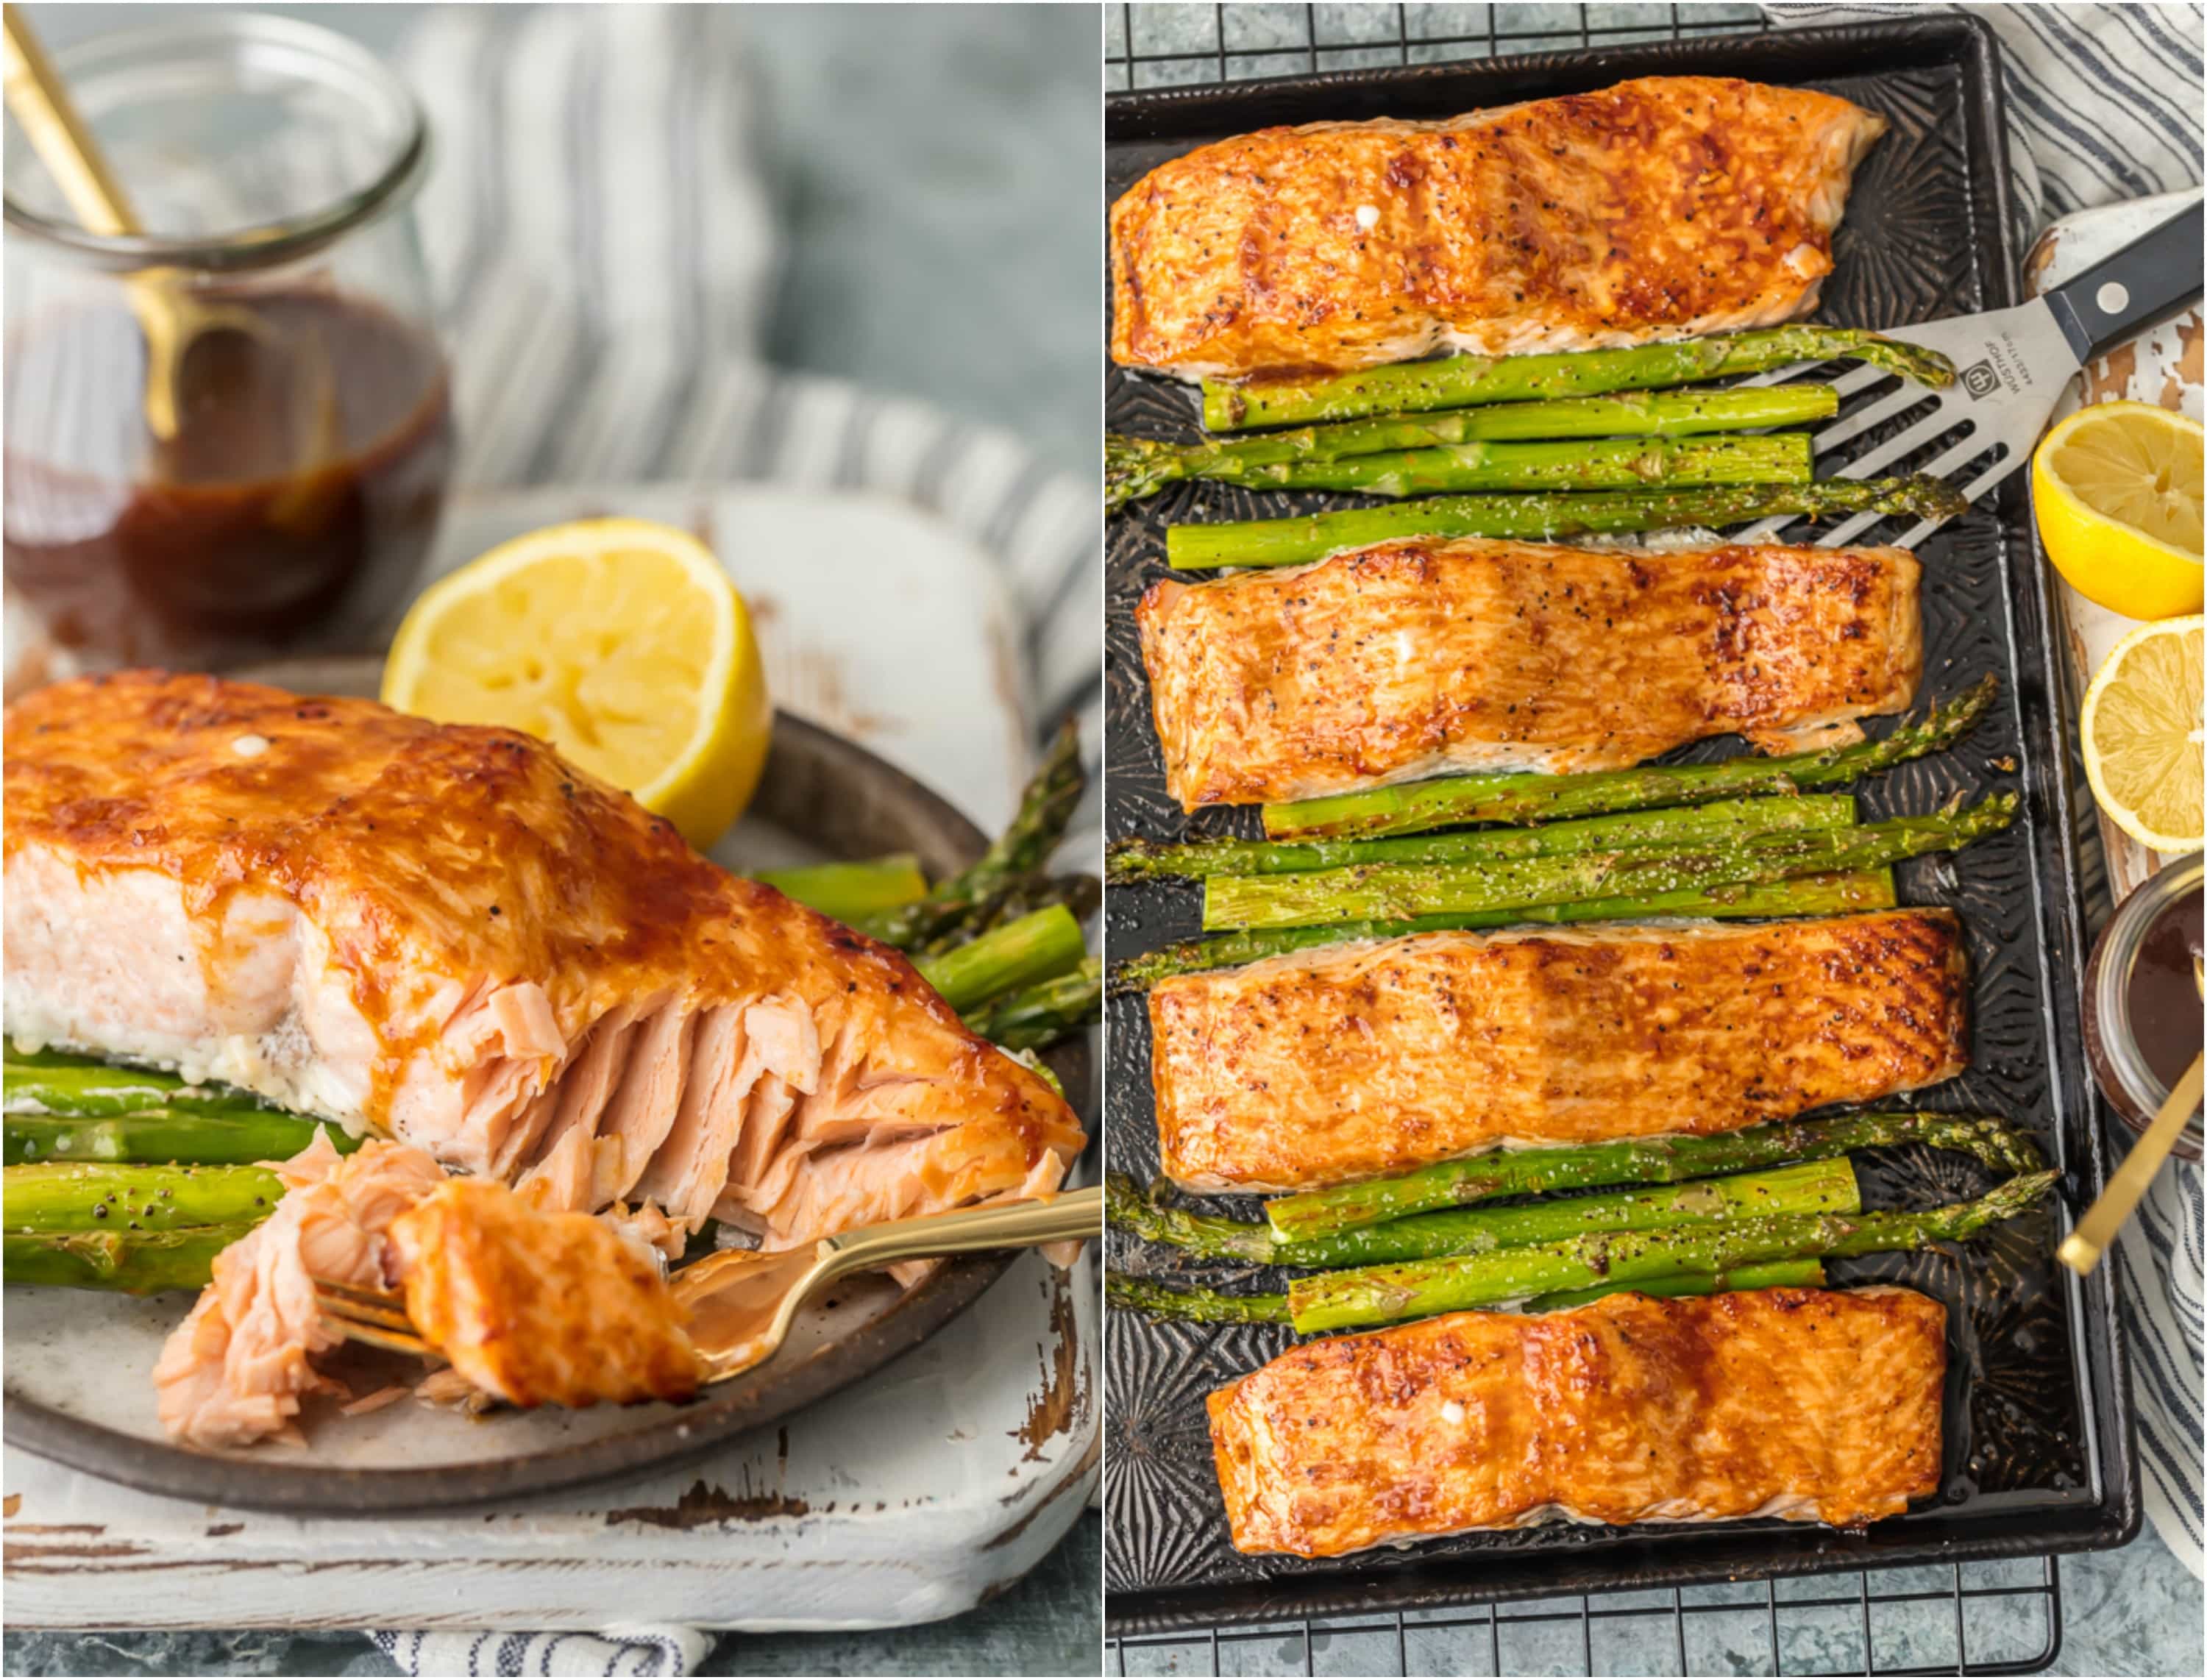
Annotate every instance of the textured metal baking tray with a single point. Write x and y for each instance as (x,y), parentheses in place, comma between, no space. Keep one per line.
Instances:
(2038,1449)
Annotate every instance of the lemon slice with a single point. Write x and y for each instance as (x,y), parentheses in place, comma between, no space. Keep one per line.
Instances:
(620,641)
(2142,734)
(2118,494)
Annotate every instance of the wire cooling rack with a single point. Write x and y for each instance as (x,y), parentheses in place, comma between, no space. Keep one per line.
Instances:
(1169,44)
(1993,1618)
(1973,1618)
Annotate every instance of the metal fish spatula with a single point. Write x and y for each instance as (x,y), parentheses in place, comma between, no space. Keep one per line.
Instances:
(2011,365)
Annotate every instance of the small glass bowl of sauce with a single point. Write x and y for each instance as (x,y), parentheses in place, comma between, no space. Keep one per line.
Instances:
(271,163)
(2143,1010)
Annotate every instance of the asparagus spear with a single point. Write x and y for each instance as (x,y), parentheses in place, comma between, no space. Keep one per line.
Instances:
(847,891)
(1772,1274)
(1805,895)
(1042,1014)
(1081,894)
(1548,515)
(1679,826)
(1335,1301)
(1138,467)
(1165,1301)
(47,1082)
(1045,807)
(1604,463)
(91,1196)
(1461,381)
(138,1263)
(1392,892)
(1313,1214)
(165,1134)
(1409,808)
(1813,1186)
(1020,954)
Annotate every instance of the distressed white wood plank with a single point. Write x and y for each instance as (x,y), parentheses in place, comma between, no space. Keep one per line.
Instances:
(910,1496)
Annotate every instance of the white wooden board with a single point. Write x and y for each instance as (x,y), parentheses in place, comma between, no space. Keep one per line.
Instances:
(909,1497)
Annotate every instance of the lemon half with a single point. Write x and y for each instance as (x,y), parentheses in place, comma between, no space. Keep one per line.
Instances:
(2117,490)
(2142,734)
(620,641)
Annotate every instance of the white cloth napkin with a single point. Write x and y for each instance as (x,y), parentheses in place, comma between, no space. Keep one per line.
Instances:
(2103,105)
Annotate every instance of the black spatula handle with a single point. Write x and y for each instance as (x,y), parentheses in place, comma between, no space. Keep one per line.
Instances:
(2143,281)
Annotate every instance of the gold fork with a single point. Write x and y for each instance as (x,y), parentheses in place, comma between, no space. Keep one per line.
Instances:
(739,1304)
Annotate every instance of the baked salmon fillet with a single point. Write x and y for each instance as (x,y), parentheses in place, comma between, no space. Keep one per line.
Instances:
(1666,207)
(1813,1405)
(1418,658)
(1353,1062)
(448,935)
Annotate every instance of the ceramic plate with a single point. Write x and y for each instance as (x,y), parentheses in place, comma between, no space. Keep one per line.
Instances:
(79,1384)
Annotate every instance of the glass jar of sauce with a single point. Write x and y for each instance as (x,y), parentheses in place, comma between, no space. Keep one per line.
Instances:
(270,163)
(2142,999)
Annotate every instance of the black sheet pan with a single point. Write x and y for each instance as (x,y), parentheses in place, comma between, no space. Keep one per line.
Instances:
(2039,1451)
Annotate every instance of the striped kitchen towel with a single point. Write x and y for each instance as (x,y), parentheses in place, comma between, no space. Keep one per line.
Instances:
(2104,104)
(2103,101)
(603,252)
(665,1652)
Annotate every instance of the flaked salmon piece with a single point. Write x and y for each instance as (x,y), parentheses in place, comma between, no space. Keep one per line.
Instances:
(638,1118)
(564,1118)
(1418,658)
(239,1367)
(1663,208)
(836,1188)
(691,1165)
(539,1308)
(449,935)
(533,1308)
(390,1395)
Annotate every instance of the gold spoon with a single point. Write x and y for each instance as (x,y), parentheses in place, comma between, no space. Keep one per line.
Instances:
(2082,1248)
(172,316)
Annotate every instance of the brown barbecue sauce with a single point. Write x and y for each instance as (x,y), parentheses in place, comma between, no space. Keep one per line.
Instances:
(293,509)
(2164,990)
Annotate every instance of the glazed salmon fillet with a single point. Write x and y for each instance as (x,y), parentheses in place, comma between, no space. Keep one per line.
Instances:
(532,1307)
(448,935)
(1416,658)
(1813,1405)
(1666,207)
(1353,1062)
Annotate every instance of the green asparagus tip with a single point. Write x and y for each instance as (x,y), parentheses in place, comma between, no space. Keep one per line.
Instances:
(2017,1196)
(1930,498)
